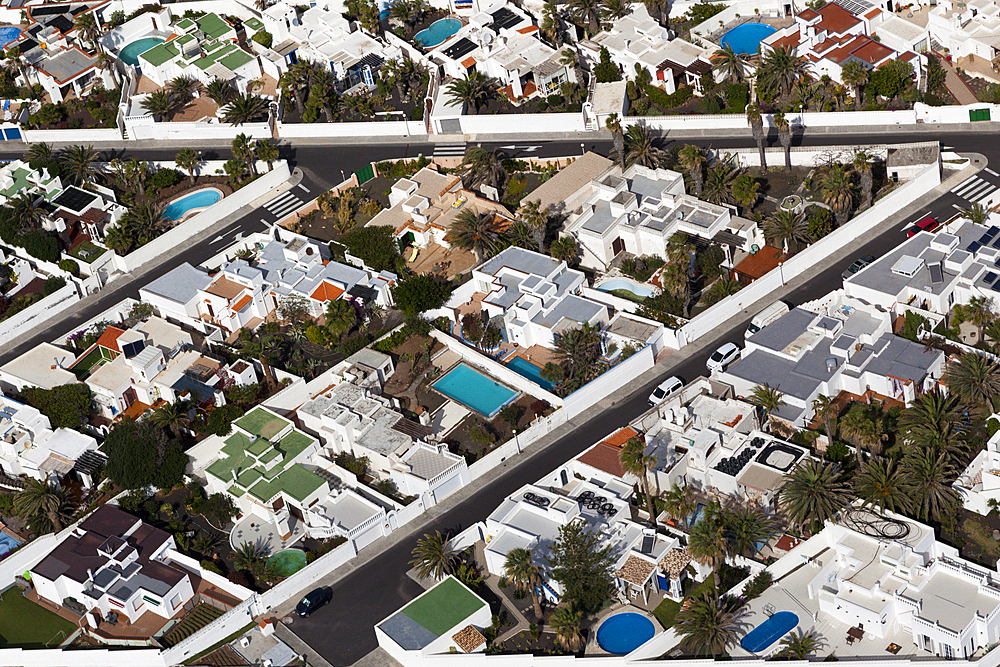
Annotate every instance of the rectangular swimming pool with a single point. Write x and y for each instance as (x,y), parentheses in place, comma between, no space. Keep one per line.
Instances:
(474,390)
(525,368)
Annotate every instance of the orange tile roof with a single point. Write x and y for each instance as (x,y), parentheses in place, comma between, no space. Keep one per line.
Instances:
(873,13)
(604,458)
(238,306)
(326,292)
(836,19)
(134,411)
(109,339)
(468,62)
(620,437)
(873,52)
(758,264)
(528,30)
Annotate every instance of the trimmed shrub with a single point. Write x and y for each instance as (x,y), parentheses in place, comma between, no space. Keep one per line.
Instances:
(70,266)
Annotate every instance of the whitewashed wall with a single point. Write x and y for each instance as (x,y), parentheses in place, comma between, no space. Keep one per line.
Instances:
(609,382)
(39,313)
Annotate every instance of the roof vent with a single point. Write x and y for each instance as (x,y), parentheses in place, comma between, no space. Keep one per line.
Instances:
(831,364)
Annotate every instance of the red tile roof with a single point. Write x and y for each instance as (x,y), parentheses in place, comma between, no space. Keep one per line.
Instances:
(758,264)
(468,62)
(808,14)
(836,19)
(244,300)
(528,30)
(109,339)
(326,292)
(872,52)
(603,457)
(620,437)
(787,42)
(873,13)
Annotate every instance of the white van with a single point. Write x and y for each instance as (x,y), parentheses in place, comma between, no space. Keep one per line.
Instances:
(765,317)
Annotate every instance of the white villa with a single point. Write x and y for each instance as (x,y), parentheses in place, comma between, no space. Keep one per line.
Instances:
(979,483)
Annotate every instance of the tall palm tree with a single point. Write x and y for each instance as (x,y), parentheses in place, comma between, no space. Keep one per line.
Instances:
(577,350)
(15,61)
(565,249)
(784,137)
(586,14)
(323,84)
(880,485)
(756,123)
(636,461)
(188,160)
(433,558)
(929,477)
(693,160)
(976,379)
(788,227)
(86,26)
(483,166)
(340,316)
(160,103)
(707,624)
(992,333)
(172,416)
(677,281)
(680,503)
(709,545)
(521,570)
(720,181)
(220,91)
(640,149)
(566,623)
(863,162)
(826,409)
(813,492)
(976,213)
(266,151)
(477,232)
(537,221)
(80,164)
(475,90)
(612,10)
(729,64)
(106,62)
(250,557)
(183,88)
(244,108)
(552,24)
(747,525)
(26,211)
(979,309)
(767,398)
(614,125)
(933,421)
(864,431)
(43,505)
(40,151)
(723,287)
(781,67)
(243,150)
(838,192)
(855,75)
(800,645)
(658,9)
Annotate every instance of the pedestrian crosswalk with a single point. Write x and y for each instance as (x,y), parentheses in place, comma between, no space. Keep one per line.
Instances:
(449,150)
(975,190)
(283,205)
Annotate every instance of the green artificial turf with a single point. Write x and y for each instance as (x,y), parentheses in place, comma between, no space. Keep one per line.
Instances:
(25,624)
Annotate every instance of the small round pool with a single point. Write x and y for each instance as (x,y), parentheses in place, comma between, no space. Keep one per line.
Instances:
(288,562)
(623,633)
(8,34)
(746,38)
(437,32)
(130,54)
(178,208)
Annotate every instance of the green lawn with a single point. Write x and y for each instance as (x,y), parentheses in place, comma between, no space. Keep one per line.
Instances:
(665,612)
(94,358)
(443,607)
(24,624)
(87,252)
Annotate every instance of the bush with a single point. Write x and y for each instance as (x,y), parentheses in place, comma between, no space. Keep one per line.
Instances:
(665,101)
(316,335)
(375,246)
(53,284)
(66,406)
(42,245)
(210,566)
(352,344)
(165,178)
(264,38)
(737,97)
(69,266)
(419,293)
(758,585)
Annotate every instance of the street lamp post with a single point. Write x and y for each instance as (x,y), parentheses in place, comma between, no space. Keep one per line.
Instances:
(583,148)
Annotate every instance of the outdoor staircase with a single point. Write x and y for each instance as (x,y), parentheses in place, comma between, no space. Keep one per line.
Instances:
(10,483)
(201,616)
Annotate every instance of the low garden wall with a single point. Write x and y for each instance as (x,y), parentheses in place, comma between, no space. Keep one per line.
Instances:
(39,313)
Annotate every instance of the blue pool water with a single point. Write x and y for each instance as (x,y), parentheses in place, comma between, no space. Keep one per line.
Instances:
(697,515)
(200,199)
(437,32)
(525,368)
(629,286)
(623,633)
(770,631)
(8,34)
(746,38)
(474,390)
(7,544)
(130,54)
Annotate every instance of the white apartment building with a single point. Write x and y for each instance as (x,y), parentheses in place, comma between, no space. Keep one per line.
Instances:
(966,28)
(979,483)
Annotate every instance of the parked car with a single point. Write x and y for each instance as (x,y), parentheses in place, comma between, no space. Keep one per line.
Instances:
(858,264)
(312,601)
(723,357)
(667,388)
(926,224)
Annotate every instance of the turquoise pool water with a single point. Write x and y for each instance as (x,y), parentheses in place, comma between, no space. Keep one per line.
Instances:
(288,562)
(770,631)
(474,390)
(627,285)
(8,34)
(746,38)
(525,368)
(7,544)
(200,199)
(130,54)
(623,633)
(437,32)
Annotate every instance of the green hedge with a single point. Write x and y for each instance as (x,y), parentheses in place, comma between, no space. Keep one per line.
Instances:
(665,101)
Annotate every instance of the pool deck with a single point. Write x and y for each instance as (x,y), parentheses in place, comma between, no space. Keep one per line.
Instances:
(517,392)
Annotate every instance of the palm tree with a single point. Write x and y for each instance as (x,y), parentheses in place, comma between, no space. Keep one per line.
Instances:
(864,431)
(747,525)
(340,316)
(586,14)
(992,333)
(433,558)
(292,81)
(838,192)
(767,398)
(929,477)
(475,90)
(933,421)
(975,378)
(826,409)
(220,91)
(801,645)
(40,151)
(720,181)
(813,492)
(14,61)
(880,485)
(640,149)
(756,123)
(520,569)
(676,280)
(80,164)
(106,62)
(43,505)
(709,545)
(855,75)
(634,460)
(206,543)
(658,10)
(693,160)
(160,103)
(784,137)
(483,166)
(243,150)
(614,125)
(86,26)
(144,219)
(731,65)
(537,221)
(188,160)
(26,211)
(979,309)
(250,556)
(863,162)
(244,108)
(172,416)
(680,503)
(781,67)
(975,213)
(723,287)
(788,227)
(707,624)
(612,10)
(477,232)
(266,151)
(566,623)
(565,249)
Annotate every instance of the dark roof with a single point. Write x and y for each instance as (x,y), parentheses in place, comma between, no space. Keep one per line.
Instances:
(504,18)
(75,199)
(412,428)
(460,48)
(373,60)
(44,10)
(363,292)
(90,462)
(61,23)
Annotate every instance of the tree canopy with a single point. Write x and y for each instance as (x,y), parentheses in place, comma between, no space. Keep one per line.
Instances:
(582,566)
(419,293)
(139,455)
(67,406)
(376,246)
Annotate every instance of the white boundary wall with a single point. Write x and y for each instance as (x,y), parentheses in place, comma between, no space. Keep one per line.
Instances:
(182,131)
(609,382)
(521,123)
(80,135)
(229,623)
(39,313)
(305,578)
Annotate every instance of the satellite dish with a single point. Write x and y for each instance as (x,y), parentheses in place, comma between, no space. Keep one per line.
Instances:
(754,249)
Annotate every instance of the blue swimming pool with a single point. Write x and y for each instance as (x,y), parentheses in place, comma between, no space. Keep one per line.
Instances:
(770,631)
(474,390)
(627,285)
(8,34)
(623,633)
(525,368)
(746,38)
(437,32)
(130,54)
(7,544)
(200,199)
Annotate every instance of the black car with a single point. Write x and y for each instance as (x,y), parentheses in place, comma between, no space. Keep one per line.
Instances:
(858,264)
(312,601)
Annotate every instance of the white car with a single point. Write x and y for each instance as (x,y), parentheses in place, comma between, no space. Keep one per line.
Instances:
(667,388)
(722,357)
